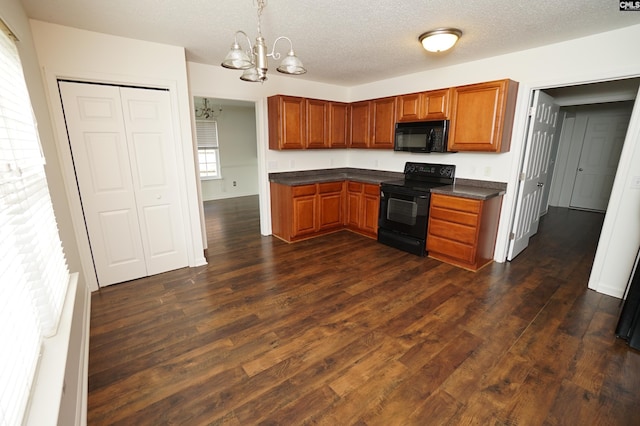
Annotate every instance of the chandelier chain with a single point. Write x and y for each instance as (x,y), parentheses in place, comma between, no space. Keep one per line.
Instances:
(260,5)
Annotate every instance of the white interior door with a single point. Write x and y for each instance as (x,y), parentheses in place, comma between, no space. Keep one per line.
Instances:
(147,120)
(542,128)
(122,152)
(599,158)
(93,114)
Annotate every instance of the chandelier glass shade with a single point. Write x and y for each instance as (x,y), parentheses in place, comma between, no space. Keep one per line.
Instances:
(440,40)
(254,59)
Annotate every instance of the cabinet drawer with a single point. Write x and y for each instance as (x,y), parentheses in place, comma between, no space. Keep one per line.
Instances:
(325,187)
(371,189)
(456,203)
(453,231)
(456,216)
(451,248)
(299,191)
(355,186)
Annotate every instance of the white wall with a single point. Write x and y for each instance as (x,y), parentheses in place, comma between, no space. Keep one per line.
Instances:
(238,155)
(71,53)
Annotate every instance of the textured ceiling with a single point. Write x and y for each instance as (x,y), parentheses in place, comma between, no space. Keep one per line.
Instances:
(345,42)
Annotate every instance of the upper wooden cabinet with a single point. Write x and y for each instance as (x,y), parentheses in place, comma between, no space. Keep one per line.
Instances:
(338,125)
(383,122)
(432,105)
(373,123)
(360,124)
(317,124)
(287,122)
(482,116)
(299,123)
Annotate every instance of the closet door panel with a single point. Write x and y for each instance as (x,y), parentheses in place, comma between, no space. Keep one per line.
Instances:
(97,137)
(147,120)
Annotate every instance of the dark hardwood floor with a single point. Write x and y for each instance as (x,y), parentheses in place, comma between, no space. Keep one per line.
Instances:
(342,330)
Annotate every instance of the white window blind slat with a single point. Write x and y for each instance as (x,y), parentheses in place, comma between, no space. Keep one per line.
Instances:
(33,271)
(207,133)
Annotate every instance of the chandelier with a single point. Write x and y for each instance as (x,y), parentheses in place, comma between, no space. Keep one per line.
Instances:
(254,60)
(206,111)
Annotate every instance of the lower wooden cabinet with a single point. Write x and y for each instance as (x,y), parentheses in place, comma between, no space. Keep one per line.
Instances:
(462,231)
(305,211)
(363,204)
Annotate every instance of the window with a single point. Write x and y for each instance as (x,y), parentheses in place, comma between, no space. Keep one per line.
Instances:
(208,153)
(33,272)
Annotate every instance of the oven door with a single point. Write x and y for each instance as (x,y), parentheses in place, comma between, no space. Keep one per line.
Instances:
(404,210)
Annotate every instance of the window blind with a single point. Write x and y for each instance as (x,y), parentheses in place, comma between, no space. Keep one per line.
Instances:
(33,271)
(207,133)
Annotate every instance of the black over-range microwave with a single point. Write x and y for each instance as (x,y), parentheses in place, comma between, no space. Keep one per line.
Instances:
(422,136)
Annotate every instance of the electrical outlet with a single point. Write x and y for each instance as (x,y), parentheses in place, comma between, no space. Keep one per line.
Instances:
(234,183)
(635,182)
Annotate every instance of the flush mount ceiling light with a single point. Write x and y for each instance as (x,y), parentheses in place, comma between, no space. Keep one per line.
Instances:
(440,40)
(254,60)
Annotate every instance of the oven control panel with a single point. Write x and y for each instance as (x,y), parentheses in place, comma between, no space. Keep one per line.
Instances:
(429,170)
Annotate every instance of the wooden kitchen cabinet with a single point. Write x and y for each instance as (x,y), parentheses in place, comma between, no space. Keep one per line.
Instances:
(317,124)
(287,122)
(305,211)
(431,105)
(462,231)
(359,125)
(482,116)
(338,125)
(330,206)
(383,124)
(373,123)
(363,204)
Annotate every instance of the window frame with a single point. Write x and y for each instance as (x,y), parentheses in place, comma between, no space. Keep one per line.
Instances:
(208,144)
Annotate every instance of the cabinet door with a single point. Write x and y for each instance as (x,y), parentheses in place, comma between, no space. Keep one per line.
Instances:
(304,215)
(287,122)
(383,112)
(370,209)
(409,107)
(338,124)
(354,196)
(435,104)
(482,116)
(317,135)
(360,125)
(330,205)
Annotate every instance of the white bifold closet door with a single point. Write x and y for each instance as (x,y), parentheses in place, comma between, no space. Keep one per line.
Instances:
(124,158)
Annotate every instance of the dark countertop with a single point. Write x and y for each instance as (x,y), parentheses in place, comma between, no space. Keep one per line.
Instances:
(330,175)
(467,188)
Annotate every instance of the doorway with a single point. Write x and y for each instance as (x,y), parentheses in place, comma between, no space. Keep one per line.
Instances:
(602,94)
(236,140)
